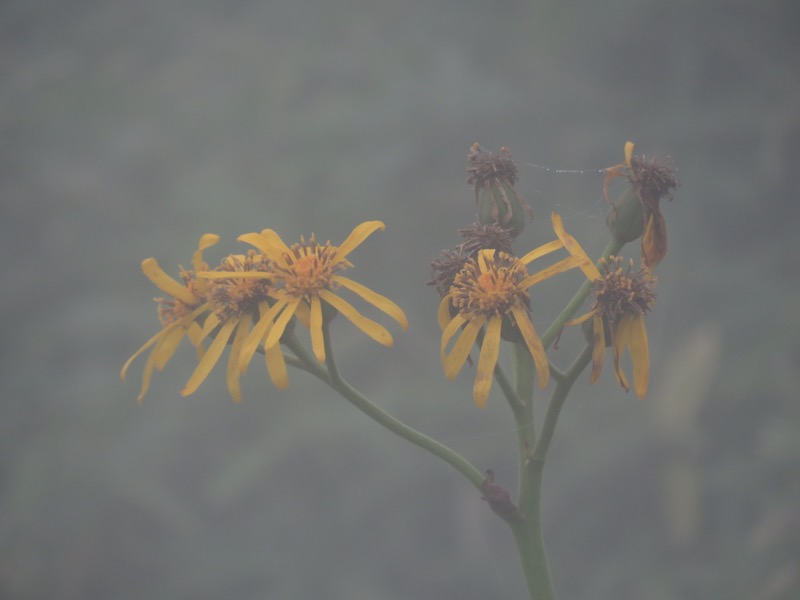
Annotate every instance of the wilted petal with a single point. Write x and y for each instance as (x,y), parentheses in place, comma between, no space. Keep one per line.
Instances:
(490,349)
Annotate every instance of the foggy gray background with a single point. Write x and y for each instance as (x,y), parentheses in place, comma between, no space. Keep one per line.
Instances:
(130,128)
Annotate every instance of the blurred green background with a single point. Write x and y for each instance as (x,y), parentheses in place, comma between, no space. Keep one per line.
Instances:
(130,128)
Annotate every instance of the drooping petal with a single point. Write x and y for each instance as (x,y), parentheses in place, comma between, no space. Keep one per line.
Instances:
(640,356)
(147,375)
(599,348)
(235,275)
(258,332)
(374,330)
(167,284)
(620,336)
(654,240)
(356,237)
(534,344)
(233,372)
(211,323)
(449,331)
(167,346)
(574,248)
(378,301)
(279,326)
(210,358)
(443,314)
(276,366)
(490,349)
(303,314)
(453,362)
(542,250)
(315,327)
(562,266)
(123,373)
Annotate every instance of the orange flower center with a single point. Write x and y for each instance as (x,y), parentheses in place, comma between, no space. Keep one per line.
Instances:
(489,286)
(310,269)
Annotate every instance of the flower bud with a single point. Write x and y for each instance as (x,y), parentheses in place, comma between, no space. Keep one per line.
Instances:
(493,176)
(625,219)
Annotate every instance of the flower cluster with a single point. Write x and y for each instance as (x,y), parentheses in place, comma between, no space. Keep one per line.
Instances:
(485,288)
(251,301)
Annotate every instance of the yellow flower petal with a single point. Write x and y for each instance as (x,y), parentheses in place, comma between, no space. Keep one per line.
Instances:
(270,243)
(534,344)
(599,348)
(562,266)
(206,241)
(378,301)
(210,358)
(629,146)
(453,362)
(166,283)
(449,331)
(490,349)
(640,356)
(233,372)
(147,375)
(574,248)
(374,330)
(258,332)
(303,314)
(542,250)
(276,366)
(443,314)
(211,323)
(356,237)
(235,274)
(279,325)
(167,346)
(315,328)
(124,372)
(620,339)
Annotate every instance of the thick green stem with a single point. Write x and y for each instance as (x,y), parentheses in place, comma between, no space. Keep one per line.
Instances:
(528,529)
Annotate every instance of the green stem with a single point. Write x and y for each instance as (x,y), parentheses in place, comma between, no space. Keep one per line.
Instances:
(528,530)
(557,402)
(335,380)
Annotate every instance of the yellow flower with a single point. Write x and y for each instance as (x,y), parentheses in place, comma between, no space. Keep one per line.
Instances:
(306,277)
(234,301)
(622,298)
(177,314)
(489,290)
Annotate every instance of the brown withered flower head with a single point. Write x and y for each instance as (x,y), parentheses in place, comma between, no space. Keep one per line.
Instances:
(493,176)
(476,238)
(651,181)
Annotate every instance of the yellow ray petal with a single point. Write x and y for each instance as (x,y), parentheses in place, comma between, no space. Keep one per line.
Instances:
(490,349)
(233,372)
(620,339)
(378,301)
(276,366)
(303,314)
(147,375)
(211,323)
(167,347)
(640,356)
(574,248)
(269,243)
(206,241)
(279,325)
(533,343)
(599,348)
(562,266)
(374,330)
(629,146)
(258,332)
(123,373)
(453,362)
(542,250)
(450,331)
(443,314)
(210,358)
(356,237)
(315,328)
(236,274)
(166,283)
